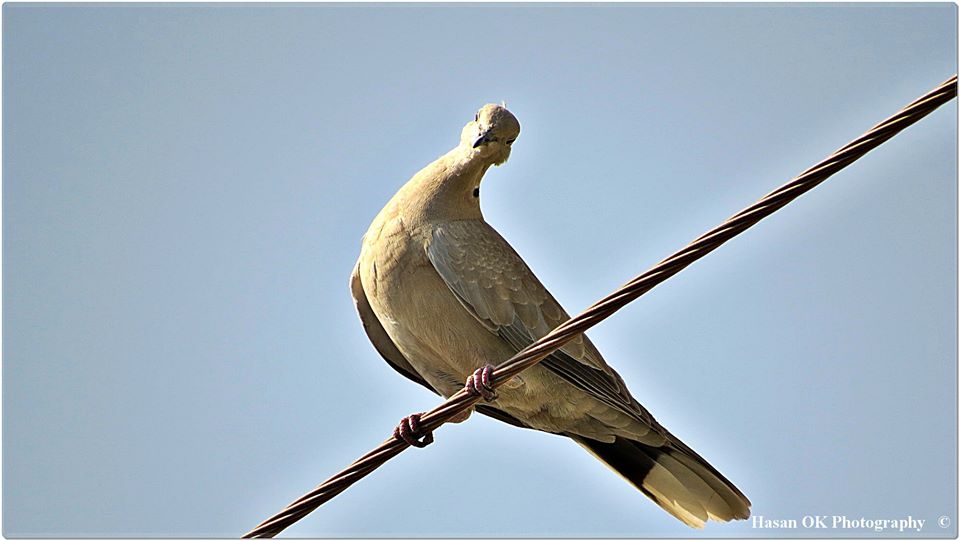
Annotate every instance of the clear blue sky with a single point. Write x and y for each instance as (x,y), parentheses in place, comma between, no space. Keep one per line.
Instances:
(185,188)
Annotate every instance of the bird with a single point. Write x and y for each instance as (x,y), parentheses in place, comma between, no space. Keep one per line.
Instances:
(443,297)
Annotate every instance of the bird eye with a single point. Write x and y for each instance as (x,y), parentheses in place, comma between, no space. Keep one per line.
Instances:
(510,142)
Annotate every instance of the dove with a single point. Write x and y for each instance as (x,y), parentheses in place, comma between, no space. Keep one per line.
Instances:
(443,298)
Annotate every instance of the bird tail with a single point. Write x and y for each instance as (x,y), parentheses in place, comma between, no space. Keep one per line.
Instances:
(675,477)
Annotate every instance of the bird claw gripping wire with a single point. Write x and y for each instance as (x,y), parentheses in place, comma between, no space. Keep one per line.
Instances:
(409,431)
(480,383)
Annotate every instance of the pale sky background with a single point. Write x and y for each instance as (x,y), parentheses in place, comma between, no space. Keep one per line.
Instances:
(185,188)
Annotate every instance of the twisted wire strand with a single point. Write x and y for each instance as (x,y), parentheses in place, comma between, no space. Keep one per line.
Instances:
(606,307)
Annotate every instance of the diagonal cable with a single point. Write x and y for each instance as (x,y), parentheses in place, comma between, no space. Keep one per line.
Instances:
(605,307)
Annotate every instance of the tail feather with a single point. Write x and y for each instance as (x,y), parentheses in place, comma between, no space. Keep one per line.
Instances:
(676,478)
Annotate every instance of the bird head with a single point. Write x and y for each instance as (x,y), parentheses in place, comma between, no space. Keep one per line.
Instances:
(491,133)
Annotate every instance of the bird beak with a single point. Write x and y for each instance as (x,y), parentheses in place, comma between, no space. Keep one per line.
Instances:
(485,137)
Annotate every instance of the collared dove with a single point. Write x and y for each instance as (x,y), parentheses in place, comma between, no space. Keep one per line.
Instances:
(442,296)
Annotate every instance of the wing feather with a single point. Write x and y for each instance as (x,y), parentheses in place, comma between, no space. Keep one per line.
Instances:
(378,335)
(494,284)
(388,350)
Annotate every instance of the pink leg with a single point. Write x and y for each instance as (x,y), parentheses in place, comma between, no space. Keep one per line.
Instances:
(480,383)
(409,431)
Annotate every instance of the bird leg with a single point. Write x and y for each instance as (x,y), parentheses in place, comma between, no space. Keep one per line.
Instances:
(409,431)
(479,383)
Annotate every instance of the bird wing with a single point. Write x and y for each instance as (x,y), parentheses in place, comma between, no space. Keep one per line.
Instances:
(388,350)
(494,284)
(378,335)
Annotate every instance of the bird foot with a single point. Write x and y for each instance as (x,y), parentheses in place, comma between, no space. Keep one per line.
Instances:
(479,383)
(409,431)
